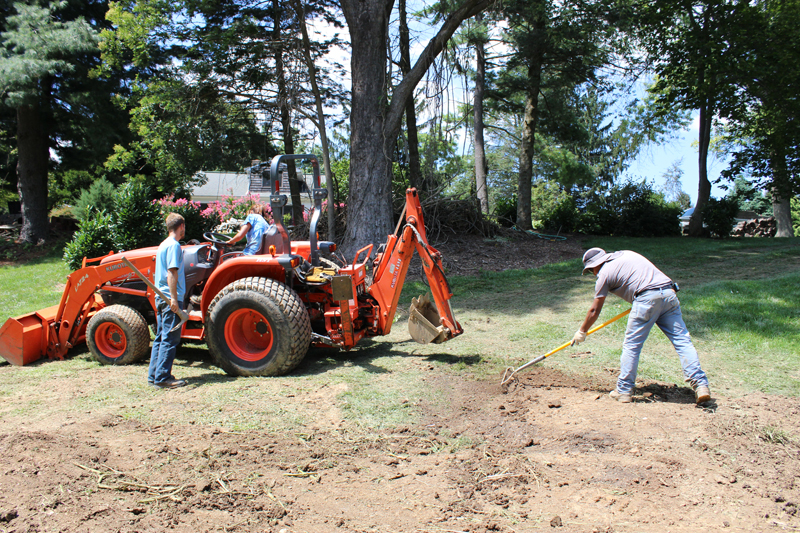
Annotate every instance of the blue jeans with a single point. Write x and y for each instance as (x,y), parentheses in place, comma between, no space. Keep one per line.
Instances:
(164,346)
(660,307)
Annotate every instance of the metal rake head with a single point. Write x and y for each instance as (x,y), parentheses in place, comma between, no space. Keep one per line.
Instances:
(509,376)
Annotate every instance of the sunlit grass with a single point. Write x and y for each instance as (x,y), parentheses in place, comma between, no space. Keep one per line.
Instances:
(738,299)
(24,289)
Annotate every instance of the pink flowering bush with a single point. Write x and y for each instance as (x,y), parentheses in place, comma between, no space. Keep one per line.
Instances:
(238,208)
(198,220)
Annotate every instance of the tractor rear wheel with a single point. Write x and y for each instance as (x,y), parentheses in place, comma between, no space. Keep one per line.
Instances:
(117,335)
(257,327)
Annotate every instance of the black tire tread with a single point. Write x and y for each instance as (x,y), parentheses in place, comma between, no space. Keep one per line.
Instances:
(139,340)
(292,308)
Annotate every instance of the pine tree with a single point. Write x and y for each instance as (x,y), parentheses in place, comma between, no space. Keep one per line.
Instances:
(40,52)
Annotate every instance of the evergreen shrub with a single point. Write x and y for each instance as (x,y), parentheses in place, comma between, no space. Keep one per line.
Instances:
(631,210)
(565,217)
(719,215)
(94,238)
(98,197)
(505,211)
(137,219)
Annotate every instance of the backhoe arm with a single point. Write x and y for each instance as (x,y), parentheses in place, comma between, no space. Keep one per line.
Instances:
(392,267)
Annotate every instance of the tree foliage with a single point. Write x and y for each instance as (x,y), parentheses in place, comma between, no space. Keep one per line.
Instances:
(763,127)
(47,51)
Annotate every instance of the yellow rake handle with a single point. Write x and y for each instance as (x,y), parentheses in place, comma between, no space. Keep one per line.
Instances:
(548,354)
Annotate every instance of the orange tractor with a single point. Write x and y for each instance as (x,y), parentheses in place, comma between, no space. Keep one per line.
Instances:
(259,314)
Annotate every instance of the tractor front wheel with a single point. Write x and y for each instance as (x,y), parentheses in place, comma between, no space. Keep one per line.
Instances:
(258,327)
(117,335)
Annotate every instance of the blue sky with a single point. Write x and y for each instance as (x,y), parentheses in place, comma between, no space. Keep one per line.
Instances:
(654,161)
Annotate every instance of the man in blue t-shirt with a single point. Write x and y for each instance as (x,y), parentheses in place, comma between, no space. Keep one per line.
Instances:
(169,278)
(254,227)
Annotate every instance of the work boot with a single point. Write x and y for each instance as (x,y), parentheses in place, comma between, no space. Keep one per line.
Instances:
(170,384)
(702,394)
(620,396)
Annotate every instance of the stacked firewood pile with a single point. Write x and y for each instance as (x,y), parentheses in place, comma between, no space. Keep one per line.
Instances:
(759,227)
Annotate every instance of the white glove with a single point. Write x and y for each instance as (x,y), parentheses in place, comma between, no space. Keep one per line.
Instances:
(578,338)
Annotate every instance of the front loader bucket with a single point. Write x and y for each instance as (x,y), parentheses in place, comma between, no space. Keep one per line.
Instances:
(23,339)
(424,324)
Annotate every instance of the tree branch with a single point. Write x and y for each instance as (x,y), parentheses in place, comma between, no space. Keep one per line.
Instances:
(405,89)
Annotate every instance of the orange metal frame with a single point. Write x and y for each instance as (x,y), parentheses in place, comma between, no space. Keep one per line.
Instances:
(55,330)
(392,267)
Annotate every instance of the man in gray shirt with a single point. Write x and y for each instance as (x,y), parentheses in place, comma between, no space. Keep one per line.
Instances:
(654,302)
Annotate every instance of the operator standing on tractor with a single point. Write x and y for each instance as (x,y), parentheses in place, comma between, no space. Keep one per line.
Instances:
(170,280)
(654,302)
(255,225)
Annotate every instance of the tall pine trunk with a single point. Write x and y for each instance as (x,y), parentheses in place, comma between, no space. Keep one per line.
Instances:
(704,186)
(286,118)
(33,158)
(479,146)
(414,167)
(525,180)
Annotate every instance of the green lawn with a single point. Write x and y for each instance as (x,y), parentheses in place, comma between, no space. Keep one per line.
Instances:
(739,300)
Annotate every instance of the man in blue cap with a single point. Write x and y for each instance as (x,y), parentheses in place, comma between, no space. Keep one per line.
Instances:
(654,302)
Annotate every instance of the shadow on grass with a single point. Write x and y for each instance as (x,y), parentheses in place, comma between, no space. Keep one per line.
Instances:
(317,361)
(321,360)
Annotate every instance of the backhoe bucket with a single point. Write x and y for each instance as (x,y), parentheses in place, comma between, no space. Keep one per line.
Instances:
(424,325)
(23,339)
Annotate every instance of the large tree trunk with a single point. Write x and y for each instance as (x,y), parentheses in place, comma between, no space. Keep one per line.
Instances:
(782,211)
(369,202)
(286,119)
(414,167)
(481,168)
(781,195)
(704,186)
(33,158)
(373,126)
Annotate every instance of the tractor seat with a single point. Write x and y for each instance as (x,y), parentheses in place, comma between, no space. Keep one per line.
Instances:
(272,237)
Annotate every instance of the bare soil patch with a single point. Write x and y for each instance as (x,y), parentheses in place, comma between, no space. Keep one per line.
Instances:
(553,452)
(468,255)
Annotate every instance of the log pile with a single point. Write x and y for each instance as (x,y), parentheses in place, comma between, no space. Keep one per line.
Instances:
(758,227)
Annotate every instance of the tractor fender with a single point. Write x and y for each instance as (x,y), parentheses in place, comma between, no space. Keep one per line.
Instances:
(244,266)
